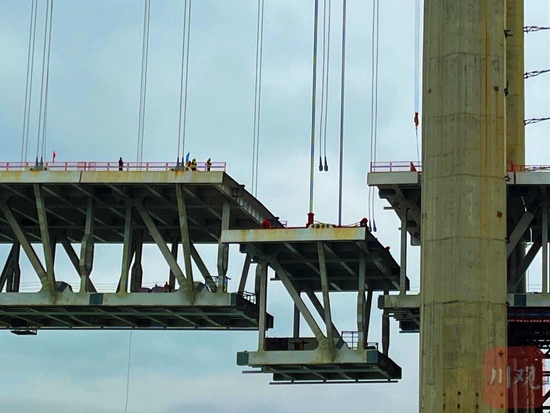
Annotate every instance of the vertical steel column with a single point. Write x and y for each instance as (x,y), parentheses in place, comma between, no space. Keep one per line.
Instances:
(14,275)
(45,234)
(296,322)
(127,251)
(185,239)
(326,298)
(136,275)
(261,276)
(385,330)
(544,211)
(223,249)
(403,263)
(171,276)
(87,247)
(361,339)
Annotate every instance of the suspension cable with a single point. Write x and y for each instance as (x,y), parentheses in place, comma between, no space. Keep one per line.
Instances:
(186,91)
(342,101)
(182,79)
(257,96)
(28,87)
(143,88)
(374,102)
(45,53)
(47,88)
(313,100)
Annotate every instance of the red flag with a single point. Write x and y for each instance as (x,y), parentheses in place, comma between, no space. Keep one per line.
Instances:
(53,156)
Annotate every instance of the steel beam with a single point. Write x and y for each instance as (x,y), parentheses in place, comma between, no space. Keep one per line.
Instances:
(361,340)
(87,247)
(321,311)
(45,234)
(261,275)
(203,269)
(308,317)
(403,251)
(27,247)
(161,244)
(126,251)
(244,274)
(185,240)
(223,249)
(326,299)
(71,253)
(171,276)
(136,273)
(522,226)
(528,259)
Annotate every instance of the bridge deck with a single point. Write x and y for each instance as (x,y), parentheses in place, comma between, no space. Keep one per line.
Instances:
(296,250)
(66,195)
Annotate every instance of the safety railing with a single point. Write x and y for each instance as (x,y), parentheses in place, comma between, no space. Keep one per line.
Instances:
(351,338)
(249,297)
(511,167)
(408,166)
(399,166)
(109,166)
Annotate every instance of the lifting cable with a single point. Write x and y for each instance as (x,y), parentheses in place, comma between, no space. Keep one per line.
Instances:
(184,82)
(28,88)
(324,85)
(47,88)
(143,89)
(313,101)
(342,100)
(417,73)
(374,104)
(327,83)
(41,141)
(257,97)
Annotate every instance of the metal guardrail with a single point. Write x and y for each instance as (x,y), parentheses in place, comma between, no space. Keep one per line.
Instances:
(413,166)
(351,338)
(399,166)
(106,166)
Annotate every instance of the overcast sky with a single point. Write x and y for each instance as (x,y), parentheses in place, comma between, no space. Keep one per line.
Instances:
(93,116)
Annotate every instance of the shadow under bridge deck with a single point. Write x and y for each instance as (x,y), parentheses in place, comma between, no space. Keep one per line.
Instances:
(325,260)
(170,208)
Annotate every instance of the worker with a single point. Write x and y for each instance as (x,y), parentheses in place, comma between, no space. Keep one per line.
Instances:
(120,164)
(194,164)
(208,164)
(364,222)
(166,287)
(266,224)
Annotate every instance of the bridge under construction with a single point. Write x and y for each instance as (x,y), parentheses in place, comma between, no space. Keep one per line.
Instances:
(478,212)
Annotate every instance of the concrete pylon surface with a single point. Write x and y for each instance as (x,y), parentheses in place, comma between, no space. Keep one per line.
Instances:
(463,283)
